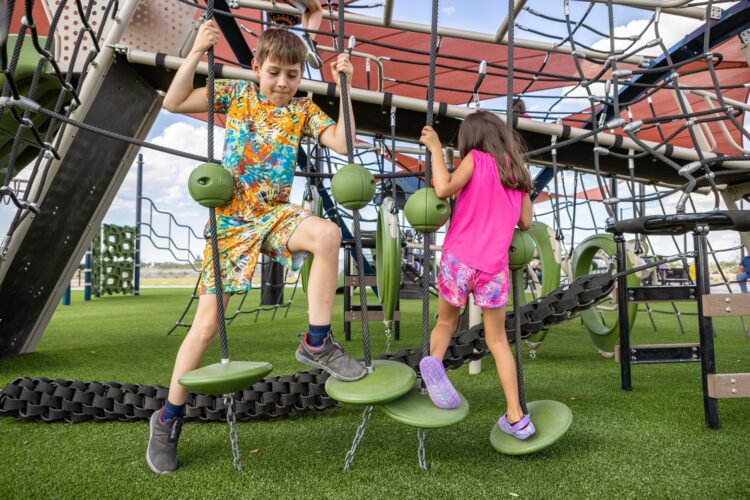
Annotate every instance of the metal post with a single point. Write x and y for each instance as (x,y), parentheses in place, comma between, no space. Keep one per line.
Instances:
(87,276)
(66,297)
(272,287)
(475,317)
(705,325)
(138,201)
(622,309)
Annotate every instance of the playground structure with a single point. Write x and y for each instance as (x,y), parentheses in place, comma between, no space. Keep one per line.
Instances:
(629,137)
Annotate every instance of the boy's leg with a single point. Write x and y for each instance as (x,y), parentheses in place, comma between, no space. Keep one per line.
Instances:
(204,329)
(497,342)
(165,424)
(322,238)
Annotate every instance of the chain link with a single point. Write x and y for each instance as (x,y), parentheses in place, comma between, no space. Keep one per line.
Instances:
(236,460)
(388,325)
(421,454)
(357,439)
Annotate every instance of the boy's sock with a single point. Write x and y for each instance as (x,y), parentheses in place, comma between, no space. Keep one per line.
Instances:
(317,334)
(172,411)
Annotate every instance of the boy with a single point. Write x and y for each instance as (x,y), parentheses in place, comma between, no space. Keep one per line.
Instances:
(264,125)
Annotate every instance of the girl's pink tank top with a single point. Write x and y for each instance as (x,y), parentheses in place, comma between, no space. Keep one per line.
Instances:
(485,214)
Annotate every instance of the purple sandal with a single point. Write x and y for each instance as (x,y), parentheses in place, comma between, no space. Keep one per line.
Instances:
(439,387)
(523,429)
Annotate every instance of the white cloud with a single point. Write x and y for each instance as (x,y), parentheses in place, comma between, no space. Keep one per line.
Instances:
(671,30)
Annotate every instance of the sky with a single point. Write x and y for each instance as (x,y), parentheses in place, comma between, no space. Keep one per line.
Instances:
(165,177)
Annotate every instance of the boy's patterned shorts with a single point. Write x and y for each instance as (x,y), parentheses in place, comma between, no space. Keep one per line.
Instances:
(241,242)
(456,281)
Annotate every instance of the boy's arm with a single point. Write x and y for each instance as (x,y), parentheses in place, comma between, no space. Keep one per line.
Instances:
(181,96)
(334,137)
(445,183)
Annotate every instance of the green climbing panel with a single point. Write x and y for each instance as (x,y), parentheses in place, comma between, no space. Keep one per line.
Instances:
(113,260)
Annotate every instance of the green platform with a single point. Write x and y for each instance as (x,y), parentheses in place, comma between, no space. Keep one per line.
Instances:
(223,378)
(552,420)
(389,380)
(418,410)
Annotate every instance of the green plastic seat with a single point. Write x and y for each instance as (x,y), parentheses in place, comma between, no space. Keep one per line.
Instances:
(389,380)
(223,378)
(418,410)
(552,420)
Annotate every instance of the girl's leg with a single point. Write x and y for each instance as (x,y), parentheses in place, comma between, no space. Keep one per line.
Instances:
(322,238)
(204,329)
(448,316)
(441,391)
(497,342)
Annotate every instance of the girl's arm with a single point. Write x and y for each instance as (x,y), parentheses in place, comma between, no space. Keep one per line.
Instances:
(181,96)
(524,222)
(445,183)
(334,137)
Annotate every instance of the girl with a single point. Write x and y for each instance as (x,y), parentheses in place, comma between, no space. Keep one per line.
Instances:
(493,186)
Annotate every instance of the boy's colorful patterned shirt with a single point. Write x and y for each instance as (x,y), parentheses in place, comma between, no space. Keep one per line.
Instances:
(261,141)
(260,149)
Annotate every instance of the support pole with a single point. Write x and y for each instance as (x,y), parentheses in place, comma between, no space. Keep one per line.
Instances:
(87,276)
(622,309)
(138,202)
(705,325)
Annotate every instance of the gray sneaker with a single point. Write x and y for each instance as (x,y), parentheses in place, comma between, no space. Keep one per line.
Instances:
(331,358)
(161,454)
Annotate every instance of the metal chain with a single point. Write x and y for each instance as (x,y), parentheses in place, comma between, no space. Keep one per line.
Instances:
(357,439)
(388,324)
(236,460)
(421,453)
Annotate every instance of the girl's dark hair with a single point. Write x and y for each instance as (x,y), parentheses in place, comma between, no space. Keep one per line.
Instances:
(485,131)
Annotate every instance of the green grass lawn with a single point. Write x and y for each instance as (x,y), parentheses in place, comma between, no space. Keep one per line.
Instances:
(648,443)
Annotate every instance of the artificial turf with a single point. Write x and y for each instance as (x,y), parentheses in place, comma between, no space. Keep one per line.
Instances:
(648,443)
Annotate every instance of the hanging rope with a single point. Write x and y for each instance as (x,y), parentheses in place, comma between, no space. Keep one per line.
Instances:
(427,240)
(357,218)
(218,286)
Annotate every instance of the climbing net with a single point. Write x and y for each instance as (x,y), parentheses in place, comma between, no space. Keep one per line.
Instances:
(662,123)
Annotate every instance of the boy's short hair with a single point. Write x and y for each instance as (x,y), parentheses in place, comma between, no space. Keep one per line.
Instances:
(281,45)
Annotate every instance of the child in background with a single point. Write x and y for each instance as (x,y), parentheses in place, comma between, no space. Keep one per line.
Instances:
(492,185)
(312,15)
